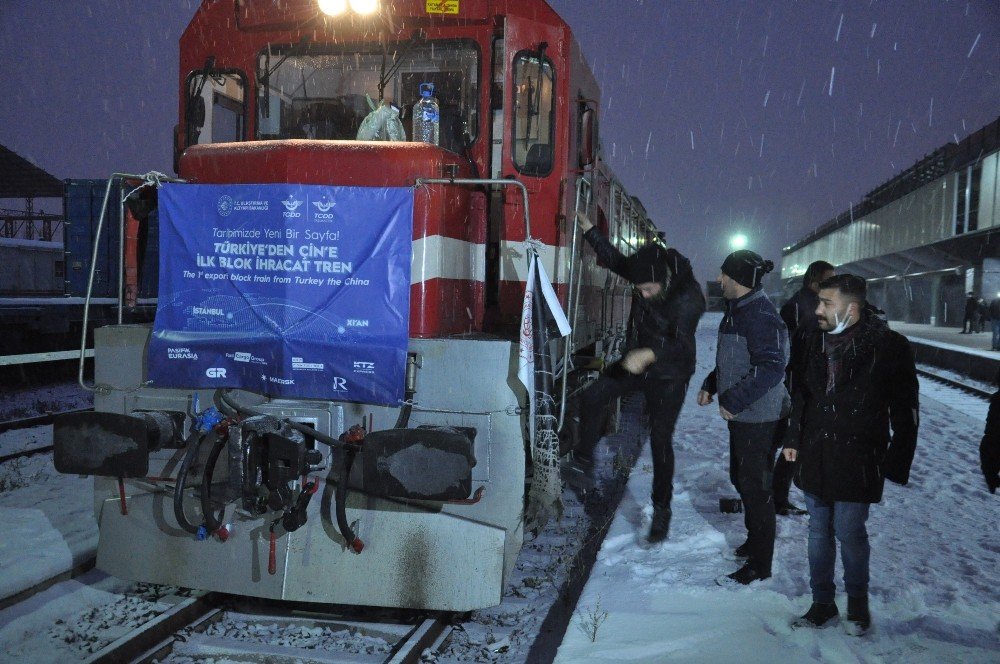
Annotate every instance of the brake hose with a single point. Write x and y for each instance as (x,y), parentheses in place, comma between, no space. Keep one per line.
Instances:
(193,444)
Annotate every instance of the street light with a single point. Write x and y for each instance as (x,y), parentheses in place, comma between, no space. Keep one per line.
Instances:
(738,241)
(333,7)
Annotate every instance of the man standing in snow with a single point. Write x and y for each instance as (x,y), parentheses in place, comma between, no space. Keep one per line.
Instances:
(855,381)
(659,356)
(799,314)
(749,370)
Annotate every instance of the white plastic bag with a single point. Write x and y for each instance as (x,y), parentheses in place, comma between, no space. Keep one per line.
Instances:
(382,124)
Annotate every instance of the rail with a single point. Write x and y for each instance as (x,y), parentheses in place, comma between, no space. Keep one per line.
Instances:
(50,356)
(957,384)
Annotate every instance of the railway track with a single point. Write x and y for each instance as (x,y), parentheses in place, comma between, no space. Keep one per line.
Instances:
(217,626)
(27,422)
(957,384)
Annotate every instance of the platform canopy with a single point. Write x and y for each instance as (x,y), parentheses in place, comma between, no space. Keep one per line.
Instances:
(19,178)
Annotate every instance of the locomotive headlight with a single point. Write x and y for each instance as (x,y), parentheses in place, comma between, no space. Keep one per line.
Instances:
(333,7)
(364,7)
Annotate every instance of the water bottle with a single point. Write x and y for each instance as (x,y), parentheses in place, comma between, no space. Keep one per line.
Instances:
(426,116)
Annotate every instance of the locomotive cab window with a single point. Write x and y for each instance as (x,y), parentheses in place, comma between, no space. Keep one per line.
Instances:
(215,108)
(534,113)
(325,95)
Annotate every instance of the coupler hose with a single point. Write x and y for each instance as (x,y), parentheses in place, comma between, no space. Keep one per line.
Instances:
(340,500)
(212,522)
(193,444)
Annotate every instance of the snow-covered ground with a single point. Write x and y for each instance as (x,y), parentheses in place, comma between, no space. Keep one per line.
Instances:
(935,563)
(935,554)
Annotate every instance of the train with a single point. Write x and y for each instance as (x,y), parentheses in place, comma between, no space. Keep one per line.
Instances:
(44,283)
(393,462)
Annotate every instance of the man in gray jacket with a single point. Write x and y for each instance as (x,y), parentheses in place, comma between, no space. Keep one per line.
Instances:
(749,378)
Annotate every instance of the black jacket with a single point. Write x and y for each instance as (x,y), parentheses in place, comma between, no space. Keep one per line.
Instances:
(845,450)
(989,449)
(665,324)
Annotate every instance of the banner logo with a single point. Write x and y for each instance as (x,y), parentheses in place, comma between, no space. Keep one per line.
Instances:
(225,206)
(215,372)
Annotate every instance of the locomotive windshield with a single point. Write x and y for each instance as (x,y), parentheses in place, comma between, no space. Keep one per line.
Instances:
(322,94)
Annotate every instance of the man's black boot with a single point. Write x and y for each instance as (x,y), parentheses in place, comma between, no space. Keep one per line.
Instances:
(743,550)
(818,615)
(786,508)
(859,620)
(660,527)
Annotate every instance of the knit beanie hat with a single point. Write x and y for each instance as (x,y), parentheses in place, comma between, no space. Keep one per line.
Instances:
(746,267)
(649,264)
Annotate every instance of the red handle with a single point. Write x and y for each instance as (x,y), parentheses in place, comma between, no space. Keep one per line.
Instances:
(272,556)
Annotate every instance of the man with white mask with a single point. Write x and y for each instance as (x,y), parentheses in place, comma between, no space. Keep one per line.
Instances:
(853,424)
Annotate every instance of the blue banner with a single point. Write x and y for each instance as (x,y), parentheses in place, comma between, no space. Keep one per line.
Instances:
(284,289)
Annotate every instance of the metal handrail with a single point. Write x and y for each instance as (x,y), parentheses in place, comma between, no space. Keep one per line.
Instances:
(121,262)
(487,181)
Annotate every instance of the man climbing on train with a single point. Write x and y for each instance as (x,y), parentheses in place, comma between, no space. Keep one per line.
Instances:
(658,356)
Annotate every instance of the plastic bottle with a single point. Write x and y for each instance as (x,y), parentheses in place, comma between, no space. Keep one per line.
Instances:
(426,116)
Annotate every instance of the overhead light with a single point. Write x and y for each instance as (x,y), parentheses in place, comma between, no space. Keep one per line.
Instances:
(364,7)
(333,7)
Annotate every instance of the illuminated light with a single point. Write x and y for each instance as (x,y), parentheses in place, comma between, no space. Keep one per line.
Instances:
(364,7)
(333,7)
(738,241)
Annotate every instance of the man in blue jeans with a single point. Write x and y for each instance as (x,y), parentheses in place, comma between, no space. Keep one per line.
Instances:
(853,424)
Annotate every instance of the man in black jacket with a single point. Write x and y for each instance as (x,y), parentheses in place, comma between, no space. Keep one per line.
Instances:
(659,356)
(799,314)
(854,382)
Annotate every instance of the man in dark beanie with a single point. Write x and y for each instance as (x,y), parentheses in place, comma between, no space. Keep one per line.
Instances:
(658,356)
(749,377)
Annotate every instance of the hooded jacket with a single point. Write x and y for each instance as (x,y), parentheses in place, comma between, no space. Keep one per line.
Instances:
(666,323)
(860,428)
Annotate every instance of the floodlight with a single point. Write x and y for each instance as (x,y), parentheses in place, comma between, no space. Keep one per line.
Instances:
(364,7)
(333,7)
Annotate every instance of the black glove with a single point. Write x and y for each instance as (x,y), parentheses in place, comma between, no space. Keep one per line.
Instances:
(894,472)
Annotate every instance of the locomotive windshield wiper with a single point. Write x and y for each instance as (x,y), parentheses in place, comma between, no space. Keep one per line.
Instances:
(397,60)
(264,76)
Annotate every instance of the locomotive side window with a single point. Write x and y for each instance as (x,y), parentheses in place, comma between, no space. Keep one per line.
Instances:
(324,95)
(534,114)
(215,108)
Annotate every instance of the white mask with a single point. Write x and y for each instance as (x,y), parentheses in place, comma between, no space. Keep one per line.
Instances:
(841,324)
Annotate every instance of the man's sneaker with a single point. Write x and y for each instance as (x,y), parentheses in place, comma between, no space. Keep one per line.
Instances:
(788,509)
(744,576)
(859,620)
(660,527)
(818,615)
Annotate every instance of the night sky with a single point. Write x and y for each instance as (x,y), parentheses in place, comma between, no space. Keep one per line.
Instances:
(765,117)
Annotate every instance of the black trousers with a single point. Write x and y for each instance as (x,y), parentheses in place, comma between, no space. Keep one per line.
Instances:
(664,398)
(783,470)
(752,446)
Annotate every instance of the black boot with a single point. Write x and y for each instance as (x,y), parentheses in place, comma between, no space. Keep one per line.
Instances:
(818,615)
(743,550)
(744,576)
(859,620)
(786,508)
(660,527)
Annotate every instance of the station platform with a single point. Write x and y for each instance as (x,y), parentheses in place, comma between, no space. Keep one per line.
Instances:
(946,348)
(931,544)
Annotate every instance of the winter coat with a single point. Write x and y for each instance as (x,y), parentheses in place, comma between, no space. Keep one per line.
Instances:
(989,448)
(750,360)
(799,314)
(971,307)
(800,311)
(665,324)
(845,450)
